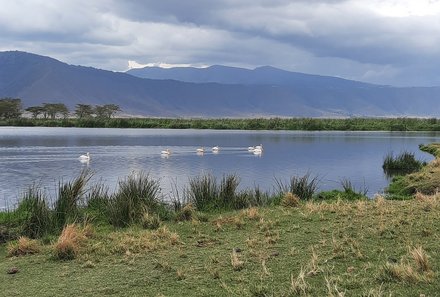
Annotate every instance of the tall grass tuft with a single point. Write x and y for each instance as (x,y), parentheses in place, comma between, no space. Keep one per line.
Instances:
(69,242)
(303,187)
(23,246)
(228,190)
(34,213)
(403,163)
(203,192)
(97,201)
(69,195)
(137,193)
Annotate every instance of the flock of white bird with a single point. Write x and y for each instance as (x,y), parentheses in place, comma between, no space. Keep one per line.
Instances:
(256,150)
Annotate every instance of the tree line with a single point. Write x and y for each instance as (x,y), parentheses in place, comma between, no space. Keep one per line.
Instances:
(12,108)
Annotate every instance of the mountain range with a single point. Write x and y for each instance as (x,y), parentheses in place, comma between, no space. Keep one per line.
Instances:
(216,91)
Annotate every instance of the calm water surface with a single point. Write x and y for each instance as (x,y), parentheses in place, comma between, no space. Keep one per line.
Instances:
(47,155)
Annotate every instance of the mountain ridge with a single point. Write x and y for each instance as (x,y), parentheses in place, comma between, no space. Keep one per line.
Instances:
(38,79)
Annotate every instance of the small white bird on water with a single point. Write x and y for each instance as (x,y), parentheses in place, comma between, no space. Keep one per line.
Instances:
(166,152)
(200,150)
(85,157)
(215,149)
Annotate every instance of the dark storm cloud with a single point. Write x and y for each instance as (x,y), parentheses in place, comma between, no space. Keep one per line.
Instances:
(390,42)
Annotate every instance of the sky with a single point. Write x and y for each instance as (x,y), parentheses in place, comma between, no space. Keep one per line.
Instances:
(390,42)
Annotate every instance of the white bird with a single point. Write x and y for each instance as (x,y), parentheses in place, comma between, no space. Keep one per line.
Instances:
(85,157)
(251,148)
(215,149)
(166,152)
(200,150)
(258,151)
(259,147)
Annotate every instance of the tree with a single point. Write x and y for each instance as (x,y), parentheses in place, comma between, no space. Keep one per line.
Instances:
(10,108)
(54,109)
(35,111)
(83,111)
(106,111)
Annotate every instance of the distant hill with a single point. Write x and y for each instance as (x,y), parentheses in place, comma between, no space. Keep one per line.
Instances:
(265,75)
(217,91)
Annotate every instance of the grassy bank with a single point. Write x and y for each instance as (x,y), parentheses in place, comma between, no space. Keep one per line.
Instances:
(363,248)
(425,181)
(308,124)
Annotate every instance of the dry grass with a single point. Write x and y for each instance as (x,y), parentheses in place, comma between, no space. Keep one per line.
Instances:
(421,259)
(236,263)
(69,242)
(137,242)
(416,271)
(313,264)
(23,246)
(299,285)
(187,213)
(251,213)
(332,288)
(290,200)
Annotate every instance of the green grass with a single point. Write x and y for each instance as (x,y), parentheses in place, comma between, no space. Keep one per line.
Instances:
(425,181)
(357,248)
(403,163)
(309,124)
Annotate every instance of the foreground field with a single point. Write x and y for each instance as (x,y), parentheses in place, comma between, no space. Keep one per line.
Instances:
(360,248)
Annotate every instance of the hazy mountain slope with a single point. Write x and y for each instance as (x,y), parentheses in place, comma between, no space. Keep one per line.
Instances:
(265,75)
(271,92)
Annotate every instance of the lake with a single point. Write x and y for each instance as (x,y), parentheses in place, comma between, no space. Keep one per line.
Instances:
(45,156)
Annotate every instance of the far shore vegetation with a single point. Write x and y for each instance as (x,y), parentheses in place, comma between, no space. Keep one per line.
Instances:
(212,239)
(106,116)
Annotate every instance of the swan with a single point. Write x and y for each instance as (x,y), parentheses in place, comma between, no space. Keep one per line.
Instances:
(166,152)
(258,151)
(200,150)
(215,149)
(85,157)
(251,148)
(259,147)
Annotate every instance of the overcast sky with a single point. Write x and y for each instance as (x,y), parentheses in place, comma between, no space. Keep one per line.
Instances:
(394,42)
